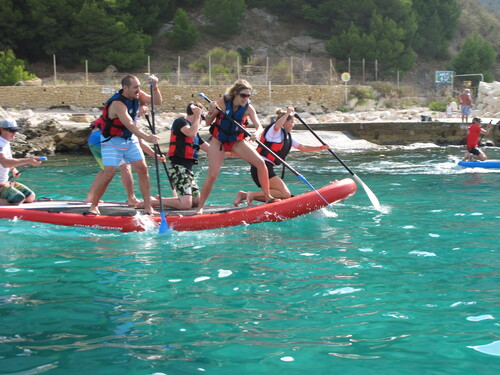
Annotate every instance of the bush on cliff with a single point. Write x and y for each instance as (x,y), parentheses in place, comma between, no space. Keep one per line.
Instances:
(12,69)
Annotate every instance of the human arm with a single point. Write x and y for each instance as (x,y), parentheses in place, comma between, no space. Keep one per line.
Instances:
(255,121)
(13,163)
(308,148)
(145,98)
(191,130)
(119,109)
(149,151)
(281,121)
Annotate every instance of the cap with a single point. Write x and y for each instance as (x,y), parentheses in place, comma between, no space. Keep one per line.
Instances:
(476,119)
(10,124)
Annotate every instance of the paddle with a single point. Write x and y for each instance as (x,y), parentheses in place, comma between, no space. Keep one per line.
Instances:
(164,164)
(163,224)
(299,176)
(22,169)
(371,195)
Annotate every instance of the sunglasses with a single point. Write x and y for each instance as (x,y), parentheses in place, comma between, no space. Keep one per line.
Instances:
(12,131)
(245,95)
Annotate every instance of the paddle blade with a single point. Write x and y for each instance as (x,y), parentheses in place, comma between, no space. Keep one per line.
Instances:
(369,193)
(163,223)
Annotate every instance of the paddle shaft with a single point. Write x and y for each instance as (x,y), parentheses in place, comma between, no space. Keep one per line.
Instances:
(161,154)
(163,224)
(373,198)
(322,142)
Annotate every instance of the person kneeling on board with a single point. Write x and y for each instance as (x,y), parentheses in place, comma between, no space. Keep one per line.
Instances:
(183,154)
(278,138)
(473,132)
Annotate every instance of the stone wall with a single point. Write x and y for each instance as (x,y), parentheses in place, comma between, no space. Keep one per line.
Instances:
(307,98)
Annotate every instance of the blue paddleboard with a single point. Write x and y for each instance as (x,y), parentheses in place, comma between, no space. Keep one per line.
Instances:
(480,164)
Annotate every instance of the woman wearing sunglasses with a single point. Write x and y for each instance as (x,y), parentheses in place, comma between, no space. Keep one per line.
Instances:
(276,137)
(228,137)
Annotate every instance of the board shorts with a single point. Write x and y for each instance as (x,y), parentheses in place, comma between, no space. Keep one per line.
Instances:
(116,149)
(270,172)
(14,193)
(474,151)
(184,181)
(465,109)
(94,143)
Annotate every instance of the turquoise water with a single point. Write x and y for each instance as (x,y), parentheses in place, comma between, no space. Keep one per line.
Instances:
(349,290)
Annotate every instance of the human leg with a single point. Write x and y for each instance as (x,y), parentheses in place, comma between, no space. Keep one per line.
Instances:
(215,160)
(101,184)
(243,150)
(141,169)
(128,183)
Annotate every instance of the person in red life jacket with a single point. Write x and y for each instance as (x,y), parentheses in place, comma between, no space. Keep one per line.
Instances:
(228,137)
(119,138)
(278,138)
(185,142)
(13,192)
(473,132)
(94,143)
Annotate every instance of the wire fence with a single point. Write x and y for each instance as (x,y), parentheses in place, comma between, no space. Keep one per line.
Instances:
(296,70)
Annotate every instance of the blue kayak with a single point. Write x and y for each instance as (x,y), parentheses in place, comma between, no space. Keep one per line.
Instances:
(480,164)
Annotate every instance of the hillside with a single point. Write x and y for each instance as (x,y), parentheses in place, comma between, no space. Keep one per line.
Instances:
(268,36)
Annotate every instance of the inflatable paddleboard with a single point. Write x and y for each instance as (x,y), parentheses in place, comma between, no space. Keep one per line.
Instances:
(480,164)
(120,217)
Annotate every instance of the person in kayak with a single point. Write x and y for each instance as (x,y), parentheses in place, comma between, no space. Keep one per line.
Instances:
(228,137)
(12,192)
(278,138)
(473,132)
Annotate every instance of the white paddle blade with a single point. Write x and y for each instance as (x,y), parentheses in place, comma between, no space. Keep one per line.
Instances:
(371,195)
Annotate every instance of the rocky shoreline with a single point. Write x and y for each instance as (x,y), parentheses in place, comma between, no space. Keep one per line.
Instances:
(65,130)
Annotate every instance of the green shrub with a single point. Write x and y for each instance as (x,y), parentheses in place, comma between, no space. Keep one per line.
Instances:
(12,69)
(437,106)
(362,92)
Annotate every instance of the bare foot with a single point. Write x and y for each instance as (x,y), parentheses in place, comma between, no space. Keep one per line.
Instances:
(240,196)
(200,211)
(133,202)
(151,211)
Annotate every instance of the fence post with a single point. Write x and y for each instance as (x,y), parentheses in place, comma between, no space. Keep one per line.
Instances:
(55,70)
(349,65)
(376,70)
(209,70)
(291,71)
(238,66)
(267,68)
(178,70)
(86,72)
(364,71)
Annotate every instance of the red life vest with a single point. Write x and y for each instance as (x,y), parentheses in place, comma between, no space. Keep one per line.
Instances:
(227,131)
(114,127)
(280,148)
(182,146)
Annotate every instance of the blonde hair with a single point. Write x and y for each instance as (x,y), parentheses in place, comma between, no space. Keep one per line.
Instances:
(280,112)
(237,87)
